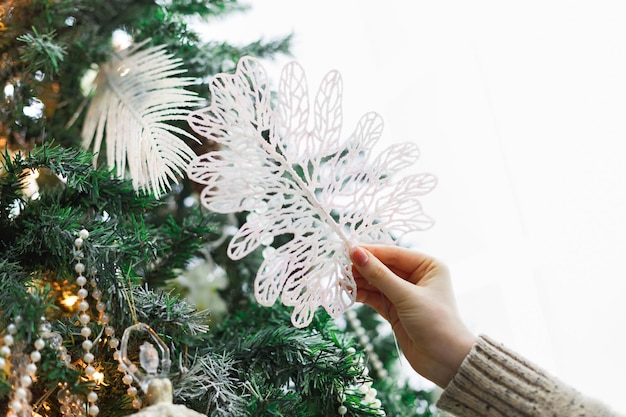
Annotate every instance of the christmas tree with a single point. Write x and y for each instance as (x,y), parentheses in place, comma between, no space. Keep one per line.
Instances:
(97,246)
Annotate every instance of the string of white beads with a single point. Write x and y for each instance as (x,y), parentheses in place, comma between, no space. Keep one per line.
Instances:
(366,389)
(23,370)
(70,405)
(84,318)
(373,360)
(104,319)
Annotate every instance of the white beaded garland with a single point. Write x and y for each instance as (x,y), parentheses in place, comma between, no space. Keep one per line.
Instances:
(22,371)
(103,318)
(87,344)
(84,318)
(92,397)
(35,356)
(137,403)
(31,369)
(374,360)
(16,405)
(21,393)
(26,381)
(39,344)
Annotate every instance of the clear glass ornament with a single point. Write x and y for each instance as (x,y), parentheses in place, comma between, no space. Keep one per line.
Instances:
(150,358)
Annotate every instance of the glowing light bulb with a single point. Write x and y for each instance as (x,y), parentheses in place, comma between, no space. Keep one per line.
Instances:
(98,377)
(70,300)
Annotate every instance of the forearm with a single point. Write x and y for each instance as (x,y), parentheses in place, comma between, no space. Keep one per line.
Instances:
(495,381)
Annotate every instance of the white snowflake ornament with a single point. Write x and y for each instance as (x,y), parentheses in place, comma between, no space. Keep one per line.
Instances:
(288,167)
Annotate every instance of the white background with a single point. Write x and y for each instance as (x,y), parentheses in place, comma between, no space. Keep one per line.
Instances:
(519,108)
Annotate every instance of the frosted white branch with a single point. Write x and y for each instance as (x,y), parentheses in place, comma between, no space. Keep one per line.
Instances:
(138,95)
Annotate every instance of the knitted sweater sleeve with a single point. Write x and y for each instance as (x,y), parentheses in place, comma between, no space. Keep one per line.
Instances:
(495,381)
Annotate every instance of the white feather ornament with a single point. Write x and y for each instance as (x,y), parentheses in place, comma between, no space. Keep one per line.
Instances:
(304,183)
(137,94)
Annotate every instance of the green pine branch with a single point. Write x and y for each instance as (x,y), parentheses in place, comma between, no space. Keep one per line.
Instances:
(41,52)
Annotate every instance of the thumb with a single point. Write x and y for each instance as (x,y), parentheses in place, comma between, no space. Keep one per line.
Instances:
(379,275)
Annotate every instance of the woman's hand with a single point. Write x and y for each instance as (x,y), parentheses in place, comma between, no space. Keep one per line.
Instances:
(414,293)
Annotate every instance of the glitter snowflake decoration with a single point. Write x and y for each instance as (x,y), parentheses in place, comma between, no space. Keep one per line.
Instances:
(289,169)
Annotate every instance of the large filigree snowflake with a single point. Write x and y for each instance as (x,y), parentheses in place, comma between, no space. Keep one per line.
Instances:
(289,168)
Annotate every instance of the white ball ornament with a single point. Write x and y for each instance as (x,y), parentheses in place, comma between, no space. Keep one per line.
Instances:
(89,370)
(127,379)
(31,369)
(16,405)
(35,356)
(40,344)
(83,234)
(26,381)
(21,393)
(105,318)
(92,397)
(137,403)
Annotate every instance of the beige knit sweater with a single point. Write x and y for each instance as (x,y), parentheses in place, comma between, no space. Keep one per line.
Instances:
(495,381)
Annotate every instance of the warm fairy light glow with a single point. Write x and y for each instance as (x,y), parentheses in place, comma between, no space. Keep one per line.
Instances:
(121,39)
(98,377)
(69,300)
